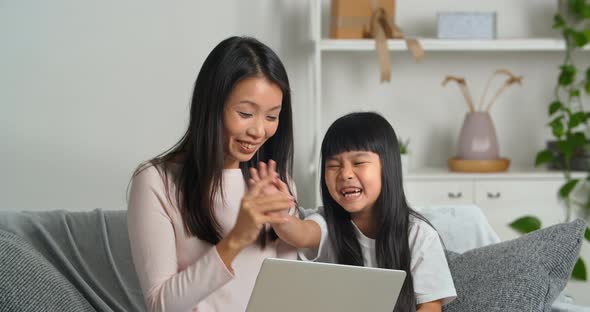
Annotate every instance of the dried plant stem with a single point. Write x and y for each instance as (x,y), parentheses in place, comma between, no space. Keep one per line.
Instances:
(512,79)
(504,87)
(485,91)
(464,89)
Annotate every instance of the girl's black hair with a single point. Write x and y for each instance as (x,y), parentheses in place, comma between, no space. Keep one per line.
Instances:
(201,149)
(368,131)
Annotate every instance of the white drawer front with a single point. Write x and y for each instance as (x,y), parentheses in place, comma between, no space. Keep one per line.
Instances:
(439,192)
(505,201)
(517,190)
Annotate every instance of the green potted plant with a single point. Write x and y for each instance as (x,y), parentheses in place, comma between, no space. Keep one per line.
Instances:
(569,120)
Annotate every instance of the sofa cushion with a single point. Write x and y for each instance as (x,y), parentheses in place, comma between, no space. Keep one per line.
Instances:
(524,274)
(28,282)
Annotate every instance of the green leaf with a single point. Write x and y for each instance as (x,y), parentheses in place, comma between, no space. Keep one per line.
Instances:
(567,188)
(573,122)
(558,21)
(587,31)
(588,74)
(566,148)
(554,107)
(557,126)
(579,8)
(579,38)
(575,93)
(587,234)
(579,272)
(543,157)
(557,130)
(578,140)
(526,224)
(567,75)
(581,116)
(576,7)
(587,87)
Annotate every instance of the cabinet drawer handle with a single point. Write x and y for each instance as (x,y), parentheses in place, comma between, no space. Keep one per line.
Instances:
(455,195)
(494,195)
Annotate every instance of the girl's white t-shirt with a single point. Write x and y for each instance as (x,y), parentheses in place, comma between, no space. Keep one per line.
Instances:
(430,270)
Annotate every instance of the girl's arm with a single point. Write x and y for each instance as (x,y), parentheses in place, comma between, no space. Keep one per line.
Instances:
(295,232)
(432,306)
(299,233)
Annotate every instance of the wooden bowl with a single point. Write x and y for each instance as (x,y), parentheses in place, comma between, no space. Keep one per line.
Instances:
(467,165)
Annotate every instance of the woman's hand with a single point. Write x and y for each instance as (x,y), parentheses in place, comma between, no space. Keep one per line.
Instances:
(255,211)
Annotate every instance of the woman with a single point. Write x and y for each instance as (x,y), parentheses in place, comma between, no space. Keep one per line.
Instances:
(198,232)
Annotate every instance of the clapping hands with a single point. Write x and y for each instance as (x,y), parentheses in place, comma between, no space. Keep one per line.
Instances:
(277,186)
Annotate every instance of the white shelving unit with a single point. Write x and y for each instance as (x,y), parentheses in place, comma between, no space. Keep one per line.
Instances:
(323,46)
(433,44)
(502,196)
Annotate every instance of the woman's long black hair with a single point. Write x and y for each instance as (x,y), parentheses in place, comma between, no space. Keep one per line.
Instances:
(201,149)
(368,131)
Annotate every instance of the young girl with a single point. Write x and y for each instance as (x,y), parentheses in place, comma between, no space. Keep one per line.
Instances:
(198,234)
(369,222)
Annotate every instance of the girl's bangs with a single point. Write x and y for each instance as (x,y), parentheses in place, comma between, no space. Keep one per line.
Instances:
(345,137)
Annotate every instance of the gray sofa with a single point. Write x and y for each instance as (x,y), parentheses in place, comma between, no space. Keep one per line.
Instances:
(67,261)
(80,261)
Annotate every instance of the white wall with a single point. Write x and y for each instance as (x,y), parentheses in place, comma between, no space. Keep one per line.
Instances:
(90,89)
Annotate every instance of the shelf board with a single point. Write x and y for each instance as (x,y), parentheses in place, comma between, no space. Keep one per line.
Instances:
(430,44)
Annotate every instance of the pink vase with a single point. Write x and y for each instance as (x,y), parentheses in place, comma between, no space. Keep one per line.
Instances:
(477,140)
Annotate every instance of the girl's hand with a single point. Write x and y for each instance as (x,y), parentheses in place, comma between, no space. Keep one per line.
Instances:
(278,185)
(295,232)
(256,210)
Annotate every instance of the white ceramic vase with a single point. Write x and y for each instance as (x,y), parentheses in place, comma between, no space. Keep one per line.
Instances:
(477,140)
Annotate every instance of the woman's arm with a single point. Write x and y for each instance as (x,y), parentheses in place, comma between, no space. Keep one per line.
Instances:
(153,246)
(432,306)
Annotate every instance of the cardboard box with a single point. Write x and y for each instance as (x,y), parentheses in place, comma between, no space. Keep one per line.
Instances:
(350,18)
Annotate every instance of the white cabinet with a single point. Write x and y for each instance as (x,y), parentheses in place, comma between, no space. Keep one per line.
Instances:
(503,197)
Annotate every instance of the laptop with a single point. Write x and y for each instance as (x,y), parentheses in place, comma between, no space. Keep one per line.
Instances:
(292,285)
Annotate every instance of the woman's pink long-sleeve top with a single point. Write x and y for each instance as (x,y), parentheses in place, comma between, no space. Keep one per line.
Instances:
(182,273)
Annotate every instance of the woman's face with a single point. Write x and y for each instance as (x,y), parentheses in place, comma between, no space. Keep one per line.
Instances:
(250,117)
(354,180)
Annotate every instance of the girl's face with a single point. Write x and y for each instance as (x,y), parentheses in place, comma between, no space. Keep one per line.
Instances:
(250,117)
(354,180)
